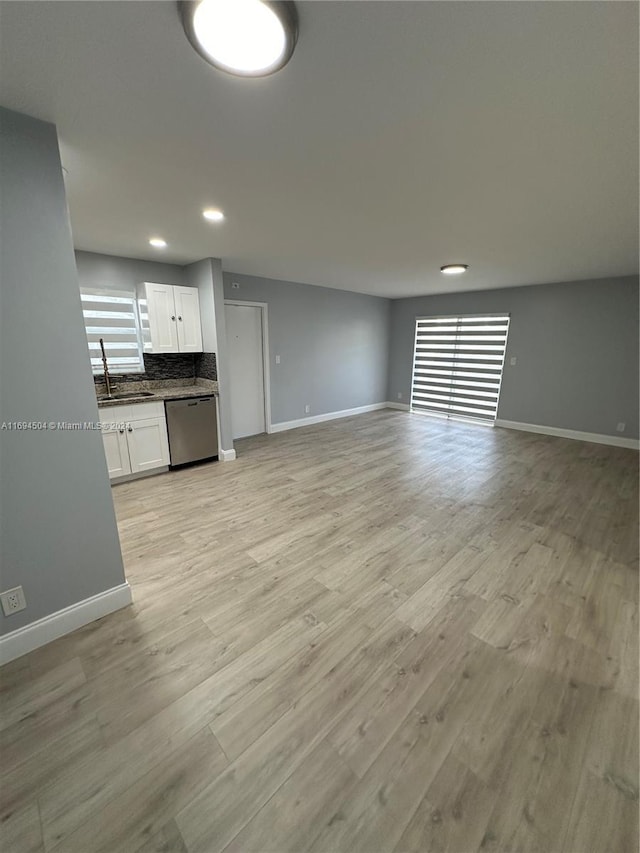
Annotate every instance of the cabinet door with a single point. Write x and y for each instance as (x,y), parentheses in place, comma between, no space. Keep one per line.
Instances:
(148,444)
(116,452)
(188,314)
(163,323)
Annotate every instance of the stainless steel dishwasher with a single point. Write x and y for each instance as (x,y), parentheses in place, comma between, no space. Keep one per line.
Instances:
(192,428)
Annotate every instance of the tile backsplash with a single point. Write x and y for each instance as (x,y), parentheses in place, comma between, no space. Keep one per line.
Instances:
(206,366)
(170,366)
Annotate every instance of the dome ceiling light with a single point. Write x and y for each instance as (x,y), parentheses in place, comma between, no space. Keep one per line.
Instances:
(249,38)
(454,269)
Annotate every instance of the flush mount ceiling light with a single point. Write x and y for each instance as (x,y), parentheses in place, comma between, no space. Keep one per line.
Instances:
(249,38)
(213,215)
(454,269)
(158,243)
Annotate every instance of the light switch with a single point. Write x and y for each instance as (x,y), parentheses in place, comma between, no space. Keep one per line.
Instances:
(277,359)
(513,360)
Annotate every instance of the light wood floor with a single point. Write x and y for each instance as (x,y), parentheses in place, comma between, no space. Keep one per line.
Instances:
(385,633)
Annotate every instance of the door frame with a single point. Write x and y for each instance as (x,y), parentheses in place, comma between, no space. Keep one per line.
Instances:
(266,374)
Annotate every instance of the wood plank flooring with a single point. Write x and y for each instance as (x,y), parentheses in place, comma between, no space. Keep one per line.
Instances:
(386,634)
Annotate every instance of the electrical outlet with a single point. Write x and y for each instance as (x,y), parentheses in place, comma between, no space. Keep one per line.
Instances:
(513,361)
(13,601)
(277,359)
(399,395)
(621,427)
(307,409)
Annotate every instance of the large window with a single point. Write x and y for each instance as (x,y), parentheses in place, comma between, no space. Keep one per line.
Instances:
(457,365)
(113,316)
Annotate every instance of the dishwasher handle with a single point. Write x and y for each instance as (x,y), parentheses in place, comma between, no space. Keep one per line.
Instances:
(187,401)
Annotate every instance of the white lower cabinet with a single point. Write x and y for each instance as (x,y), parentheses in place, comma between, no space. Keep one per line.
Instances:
(135,438)
(148,445)
(117,452)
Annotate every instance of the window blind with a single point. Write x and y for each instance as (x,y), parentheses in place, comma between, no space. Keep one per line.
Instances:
(457,365)
(113,316)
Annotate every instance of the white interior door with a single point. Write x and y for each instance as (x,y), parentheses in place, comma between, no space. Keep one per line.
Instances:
(246,367)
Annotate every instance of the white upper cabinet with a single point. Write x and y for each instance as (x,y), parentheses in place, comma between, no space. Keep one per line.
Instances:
(174,318)
(188,319)
(163,325)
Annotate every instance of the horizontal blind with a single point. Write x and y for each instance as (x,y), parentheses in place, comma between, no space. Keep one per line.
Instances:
(457,366)
(113,316)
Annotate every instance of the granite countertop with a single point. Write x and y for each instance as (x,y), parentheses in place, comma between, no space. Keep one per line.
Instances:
(161,389)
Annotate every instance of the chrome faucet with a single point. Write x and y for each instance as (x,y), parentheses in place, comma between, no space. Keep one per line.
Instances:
(105,367)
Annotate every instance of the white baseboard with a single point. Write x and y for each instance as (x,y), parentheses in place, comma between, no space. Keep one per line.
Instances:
(49,628)
(329,416)
(226,455)
(403,407)
(140,475)
(594,437)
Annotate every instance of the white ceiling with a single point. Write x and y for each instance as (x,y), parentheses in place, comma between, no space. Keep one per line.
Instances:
(400,137)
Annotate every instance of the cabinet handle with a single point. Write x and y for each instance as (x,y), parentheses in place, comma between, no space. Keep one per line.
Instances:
(173,317)
(121,431)
(129,429)
(179,318)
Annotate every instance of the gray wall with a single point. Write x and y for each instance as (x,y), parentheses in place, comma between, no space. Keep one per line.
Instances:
(333,345)
(576,346)
(224,380)
(199,275)
(206,275)
(57,523)
(95,270)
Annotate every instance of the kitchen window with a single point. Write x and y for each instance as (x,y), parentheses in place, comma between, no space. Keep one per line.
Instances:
(113,316)
(457,365)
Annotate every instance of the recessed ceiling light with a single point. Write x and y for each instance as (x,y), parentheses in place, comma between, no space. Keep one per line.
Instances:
(250,38)
(158,243)
(213,215)
(454,269)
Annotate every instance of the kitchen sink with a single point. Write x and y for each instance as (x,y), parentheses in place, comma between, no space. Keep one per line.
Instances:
(125,395)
